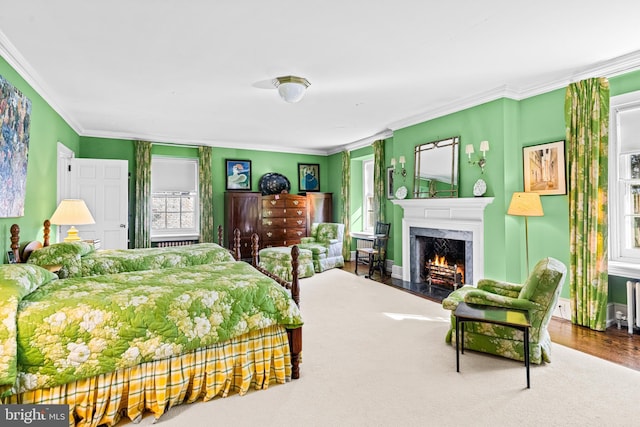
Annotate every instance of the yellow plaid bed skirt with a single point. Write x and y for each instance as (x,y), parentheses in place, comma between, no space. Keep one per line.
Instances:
(255,359)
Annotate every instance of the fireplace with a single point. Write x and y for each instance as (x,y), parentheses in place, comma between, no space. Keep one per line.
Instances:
(459,219)
(439,256)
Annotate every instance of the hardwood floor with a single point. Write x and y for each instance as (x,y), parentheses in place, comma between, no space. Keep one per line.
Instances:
(614,345)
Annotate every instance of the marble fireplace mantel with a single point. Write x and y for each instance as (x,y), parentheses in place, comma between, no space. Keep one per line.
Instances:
(462,213)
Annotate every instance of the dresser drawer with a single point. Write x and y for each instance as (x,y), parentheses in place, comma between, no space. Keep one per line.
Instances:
(295,213)
(273,203)
(274,212)
(268,223)
(295,233)
(273,222)
(274,234)
(283,233)
(295,203)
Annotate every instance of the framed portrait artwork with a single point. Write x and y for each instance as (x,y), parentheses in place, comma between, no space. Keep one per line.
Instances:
(545,168)
(390,193)
(238,174)
(309,176)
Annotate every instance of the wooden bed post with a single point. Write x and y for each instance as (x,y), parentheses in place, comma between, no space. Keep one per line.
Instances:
(220,236)
(15,241)
(255,249)
(295,286)
(295,335)
(236,245)
(45,233)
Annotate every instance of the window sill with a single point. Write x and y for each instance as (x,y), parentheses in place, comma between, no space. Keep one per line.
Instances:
(624,269)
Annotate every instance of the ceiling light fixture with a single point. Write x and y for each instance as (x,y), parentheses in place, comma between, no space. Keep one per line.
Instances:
(291,88)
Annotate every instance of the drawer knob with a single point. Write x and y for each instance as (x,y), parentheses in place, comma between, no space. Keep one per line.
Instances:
(299,233)
(299,222)
(269,222)
(273,202)
(269,234)
(299,212)
(295,202)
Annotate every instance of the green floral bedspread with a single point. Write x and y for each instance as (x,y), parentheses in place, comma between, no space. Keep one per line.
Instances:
(81,327)
(79,259)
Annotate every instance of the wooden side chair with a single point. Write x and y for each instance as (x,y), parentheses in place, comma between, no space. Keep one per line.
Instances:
(376,256)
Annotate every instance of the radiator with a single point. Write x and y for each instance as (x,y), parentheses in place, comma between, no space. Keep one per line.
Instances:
(361,243)
(175,243)
(633,305)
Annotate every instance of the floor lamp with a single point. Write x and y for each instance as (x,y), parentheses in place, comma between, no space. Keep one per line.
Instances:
(526,205)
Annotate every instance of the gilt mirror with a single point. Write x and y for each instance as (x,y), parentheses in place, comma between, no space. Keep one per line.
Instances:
(437,169)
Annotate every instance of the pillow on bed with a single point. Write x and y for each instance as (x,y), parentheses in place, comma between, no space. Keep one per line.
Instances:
(23,277)
(67,254)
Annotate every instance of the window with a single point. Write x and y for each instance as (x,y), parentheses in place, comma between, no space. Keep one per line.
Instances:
(174,198)
(367,176)
(624,185)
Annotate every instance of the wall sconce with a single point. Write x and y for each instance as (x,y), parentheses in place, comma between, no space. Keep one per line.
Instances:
(482,161)
(402,162)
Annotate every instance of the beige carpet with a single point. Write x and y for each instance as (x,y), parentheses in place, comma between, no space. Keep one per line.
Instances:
(375,356)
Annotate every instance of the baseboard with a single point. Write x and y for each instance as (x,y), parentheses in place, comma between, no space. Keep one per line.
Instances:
(563,309)
(396,271)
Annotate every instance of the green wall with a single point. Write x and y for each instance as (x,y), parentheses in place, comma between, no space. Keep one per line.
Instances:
(261,163)
(47,128)
(507,124)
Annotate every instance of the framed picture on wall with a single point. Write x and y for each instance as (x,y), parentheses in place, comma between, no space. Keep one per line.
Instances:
(309,176)
(390,193)
(545,168)
(238,174)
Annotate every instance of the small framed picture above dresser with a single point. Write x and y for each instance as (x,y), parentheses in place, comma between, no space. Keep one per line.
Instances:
(308,177)
(238,174)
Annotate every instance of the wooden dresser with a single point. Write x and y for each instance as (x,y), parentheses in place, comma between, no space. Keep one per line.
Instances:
(284,220)
(242,211)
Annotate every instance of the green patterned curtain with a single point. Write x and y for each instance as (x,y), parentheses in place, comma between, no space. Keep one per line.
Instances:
(142,231)
(346,205)
(587,122)
(207,228)
(378,182)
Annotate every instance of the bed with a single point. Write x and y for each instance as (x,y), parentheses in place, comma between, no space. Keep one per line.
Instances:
(119,344)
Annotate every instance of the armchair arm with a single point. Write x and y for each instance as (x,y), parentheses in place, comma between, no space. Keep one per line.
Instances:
(481,297)
(506,289)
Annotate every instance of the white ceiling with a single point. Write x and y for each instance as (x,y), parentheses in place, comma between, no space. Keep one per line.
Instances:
(199,72)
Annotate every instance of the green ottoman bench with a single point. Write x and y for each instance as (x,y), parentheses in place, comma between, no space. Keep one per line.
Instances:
(277,260)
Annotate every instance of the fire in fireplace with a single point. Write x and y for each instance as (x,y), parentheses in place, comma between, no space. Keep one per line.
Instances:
(444,262)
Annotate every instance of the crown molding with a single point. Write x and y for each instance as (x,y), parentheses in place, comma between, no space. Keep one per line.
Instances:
(166,140)
(14,58)
(364,142)
(609,68)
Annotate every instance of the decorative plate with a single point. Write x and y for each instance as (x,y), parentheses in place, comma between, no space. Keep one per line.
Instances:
(273,183)
(401,192)
(479,188)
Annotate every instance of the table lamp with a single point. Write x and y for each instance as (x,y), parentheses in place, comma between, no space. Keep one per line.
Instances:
(526,205)
(72,212)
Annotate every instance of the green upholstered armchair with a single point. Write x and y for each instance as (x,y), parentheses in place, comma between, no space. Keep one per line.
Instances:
(538,295)
(325,244)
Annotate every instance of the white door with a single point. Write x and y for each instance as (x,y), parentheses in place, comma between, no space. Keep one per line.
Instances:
(103,185)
